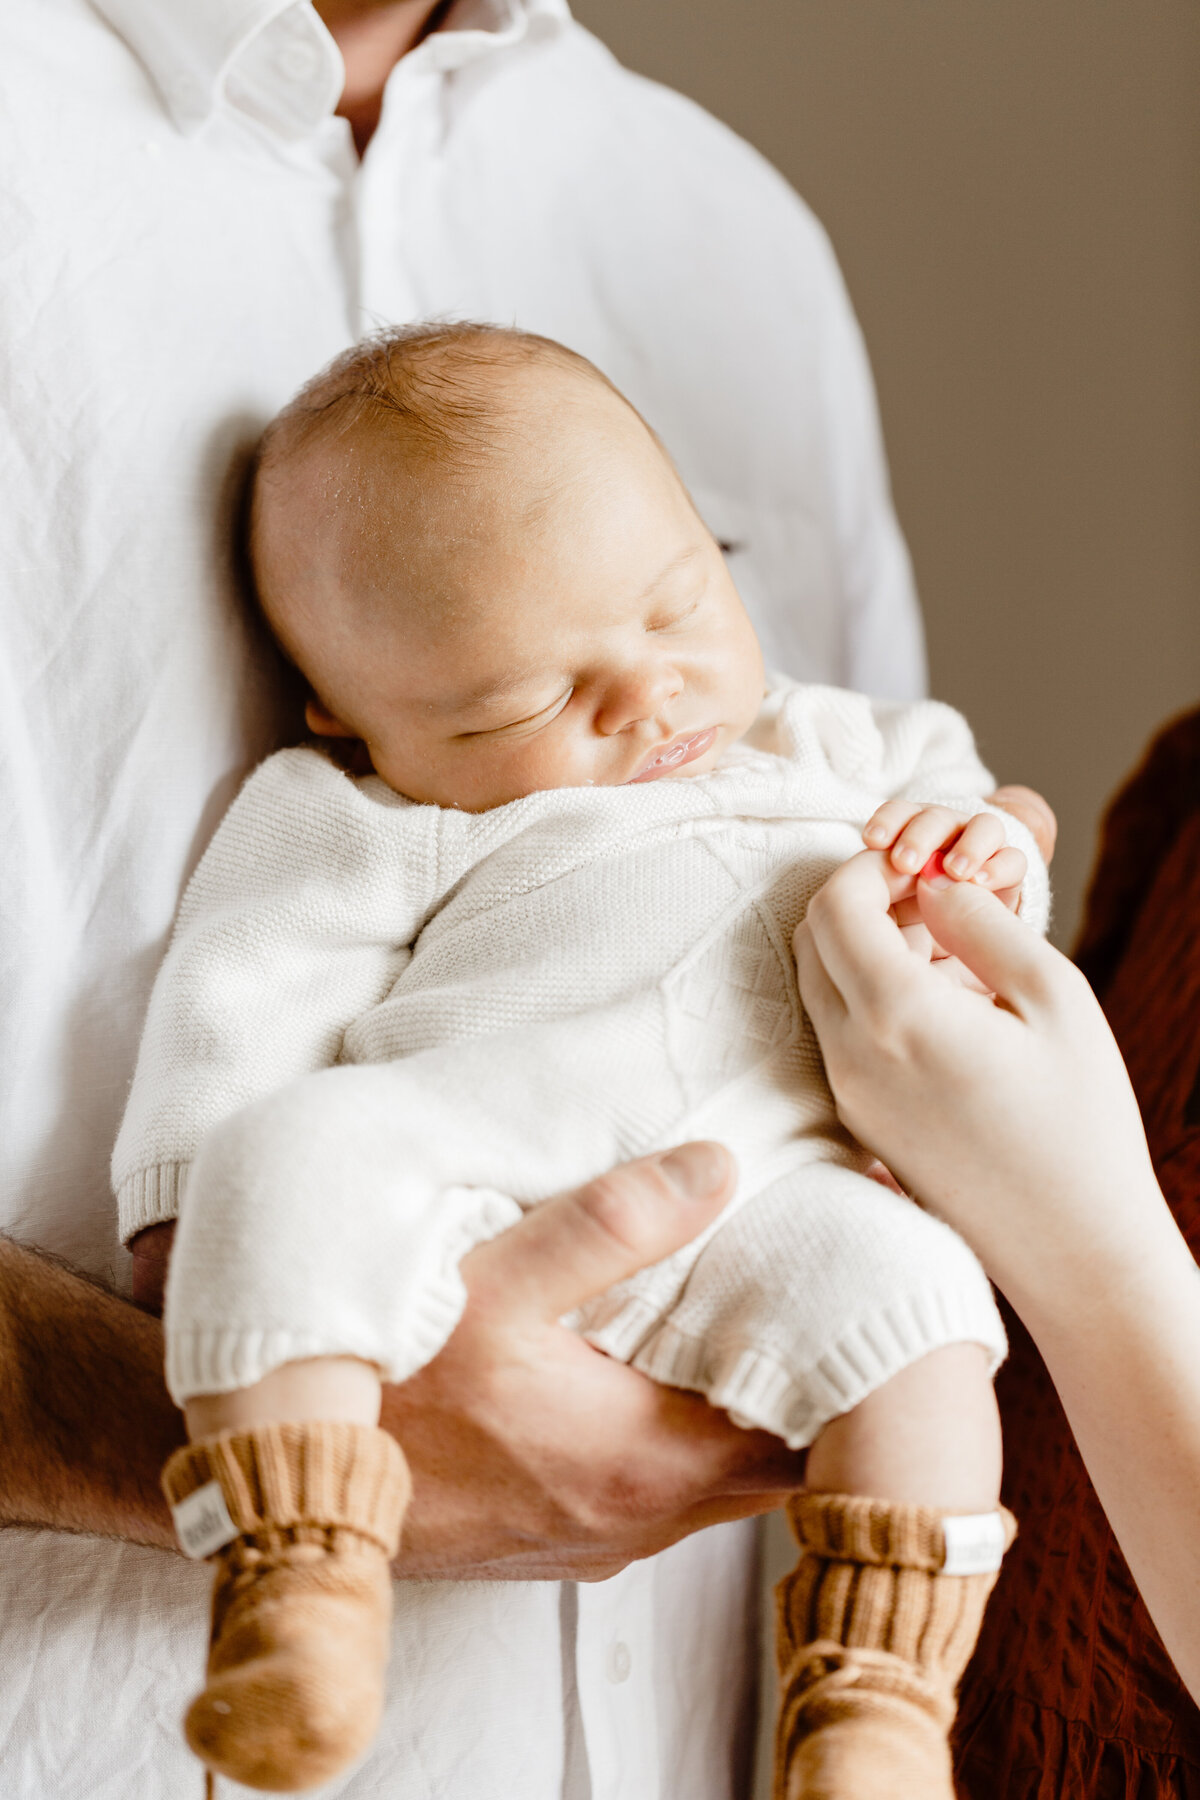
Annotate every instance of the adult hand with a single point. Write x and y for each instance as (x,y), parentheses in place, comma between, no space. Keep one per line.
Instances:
(534,1456)
(1014,1118)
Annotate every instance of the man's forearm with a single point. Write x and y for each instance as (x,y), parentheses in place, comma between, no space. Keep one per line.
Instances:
(85,1421)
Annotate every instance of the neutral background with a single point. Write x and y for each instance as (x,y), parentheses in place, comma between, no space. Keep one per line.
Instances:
(1013,188)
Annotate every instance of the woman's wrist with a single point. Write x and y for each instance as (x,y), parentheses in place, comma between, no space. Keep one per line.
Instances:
(1126,1266)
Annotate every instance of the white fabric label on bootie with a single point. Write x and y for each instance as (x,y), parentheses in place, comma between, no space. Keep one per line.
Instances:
(974,1544)
(202,1522)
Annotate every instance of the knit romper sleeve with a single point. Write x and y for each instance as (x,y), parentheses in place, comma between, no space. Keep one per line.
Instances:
(299,917)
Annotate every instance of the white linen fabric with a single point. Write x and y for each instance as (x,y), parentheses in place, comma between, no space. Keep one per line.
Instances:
(538,992)
(186,235)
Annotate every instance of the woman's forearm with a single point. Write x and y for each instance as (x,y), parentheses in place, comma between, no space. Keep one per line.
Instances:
(1121,1341)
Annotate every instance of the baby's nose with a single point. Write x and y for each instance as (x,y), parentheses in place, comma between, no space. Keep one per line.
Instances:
(638,697)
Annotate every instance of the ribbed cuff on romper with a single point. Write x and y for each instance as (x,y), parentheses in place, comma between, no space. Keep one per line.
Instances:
(150,1197)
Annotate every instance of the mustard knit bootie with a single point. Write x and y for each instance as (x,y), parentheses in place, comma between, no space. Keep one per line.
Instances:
(304,1520)
(874,1628)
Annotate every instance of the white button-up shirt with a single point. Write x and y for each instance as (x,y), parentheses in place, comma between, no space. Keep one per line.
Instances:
(185,235)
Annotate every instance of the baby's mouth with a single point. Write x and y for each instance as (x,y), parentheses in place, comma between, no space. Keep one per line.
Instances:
(673,756)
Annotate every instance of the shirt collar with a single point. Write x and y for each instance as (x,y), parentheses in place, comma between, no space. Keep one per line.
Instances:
(275,59)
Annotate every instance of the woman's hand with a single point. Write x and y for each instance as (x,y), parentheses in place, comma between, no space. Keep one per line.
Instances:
(1013,1118)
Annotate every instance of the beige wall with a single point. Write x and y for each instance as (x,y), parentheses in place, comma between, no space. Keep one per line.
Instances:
(1013,187)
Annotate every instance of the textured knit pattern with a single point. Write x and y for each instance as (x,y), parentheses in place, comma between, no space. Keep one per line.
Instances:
(872,1639)
(301,1601)
(515,1001)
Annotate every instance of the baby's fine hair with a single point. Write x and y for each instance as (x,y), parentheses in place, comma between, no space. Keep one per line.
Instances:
(436,382)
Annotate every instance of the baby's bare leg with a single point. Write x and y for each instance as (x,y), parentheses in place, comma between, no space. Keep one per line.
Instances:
(930,1437)
(876,1624)
(320,1387)
(300,1495)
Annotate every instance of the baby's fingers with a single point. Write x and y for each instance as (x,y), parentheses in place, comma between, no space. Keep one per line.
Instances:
(1003,873)
(934,828)
(888,821)
(982,837)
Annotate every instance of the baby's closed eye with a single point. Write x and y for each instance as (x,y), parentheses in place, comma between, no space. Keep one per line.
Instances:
(534,721)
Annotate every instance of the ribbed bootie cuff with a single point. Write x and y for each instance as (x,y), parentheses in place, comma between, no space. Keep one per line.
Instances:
(325,1473)
(856,1528)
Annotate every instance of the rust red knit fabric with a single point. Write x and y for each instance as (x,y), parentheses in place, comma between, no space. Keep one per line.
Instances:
(1070,1695)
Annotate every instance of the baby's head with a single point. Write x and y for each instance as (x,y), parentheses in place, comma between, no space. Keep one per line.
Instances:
(488,571)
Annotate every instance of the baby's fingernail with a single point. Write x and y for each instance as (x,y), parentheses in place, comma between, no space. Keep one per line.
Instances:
(957,863)
(875,834)
(908,858)
(697,1170)
(982,876)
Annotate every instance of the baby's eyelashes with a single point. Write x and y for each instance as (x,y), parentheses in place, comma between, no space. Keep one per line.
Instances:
(530,722)
(664,621)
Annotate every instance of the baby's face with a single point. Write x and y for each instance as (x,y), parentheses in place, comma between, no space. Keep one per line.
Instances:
(559,617)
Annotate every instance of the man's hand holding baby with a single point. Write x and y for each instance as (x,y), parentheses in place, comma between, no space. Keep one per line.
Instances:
(535,1457)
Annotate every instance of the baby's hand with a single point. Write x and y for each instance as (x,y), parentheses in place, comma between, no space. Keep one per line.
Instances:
(971,849)
(961,848)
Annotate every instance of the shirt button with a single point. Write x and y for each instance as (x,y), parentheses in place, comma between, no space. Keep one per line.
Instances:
(299,61)
(620,1662)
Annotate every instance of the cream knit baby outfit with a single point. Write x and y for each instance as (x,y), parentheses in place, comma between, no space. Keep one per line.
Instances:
(383,1029)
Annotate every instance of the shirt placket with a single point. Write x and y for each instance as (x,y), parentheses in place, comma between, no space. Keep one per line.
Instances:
(613,1651)
(407,141)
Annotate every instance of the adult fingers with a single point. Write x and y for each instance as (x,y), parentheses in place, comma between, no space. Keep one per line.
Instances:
(823,1003)
(579,1244)
(1008,958)
(856,940)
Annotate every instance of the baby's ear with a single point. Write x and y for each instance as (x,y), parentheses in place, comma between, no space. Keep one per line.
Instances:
(345,746)
(322,723)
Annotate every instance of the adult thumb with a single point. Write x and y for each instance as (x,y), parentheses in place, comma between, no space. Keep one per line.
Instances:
(1011,960)
(577,1245)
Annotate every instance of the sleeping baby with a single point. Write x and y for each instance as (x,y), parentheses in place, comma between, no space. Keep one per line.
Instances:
(527,915)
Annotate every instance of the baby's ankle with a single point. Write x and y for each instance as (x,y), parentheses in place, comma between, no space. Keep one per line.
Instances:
(338,1388)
